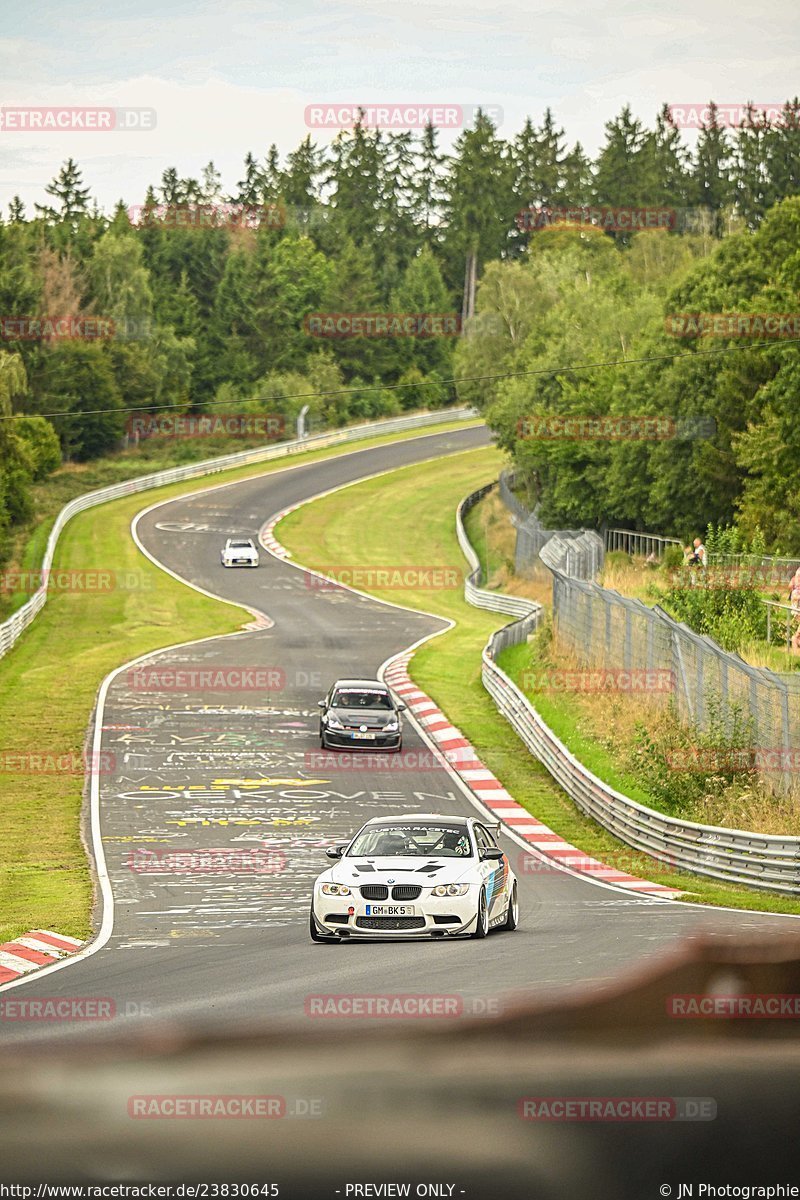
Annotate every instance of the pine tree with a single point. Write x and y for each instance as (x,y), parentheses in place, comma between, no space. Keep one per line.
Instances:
(211,185)
(578,177)
(753,193)
(669,166)
(712,187)
(621,172)
(428,187)
(782,148)
(170,187)
(480,202)
(249,190)
(72,199)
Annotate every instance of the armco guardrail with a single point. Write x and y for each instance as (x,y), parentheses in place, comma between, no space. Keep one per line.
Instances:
(11,629)
(765,861)
(478,597)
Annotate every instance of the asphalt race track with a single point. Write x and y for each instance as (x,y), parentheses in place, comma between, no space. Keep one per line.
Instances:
(232,770)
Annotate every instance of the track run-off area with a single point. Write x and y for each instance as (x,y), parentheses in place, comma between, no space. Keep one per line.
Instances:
(203,770)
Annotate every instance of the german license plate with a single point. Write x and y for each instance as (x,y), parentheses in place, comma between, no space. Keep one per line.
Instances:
(364,737)
(391,910)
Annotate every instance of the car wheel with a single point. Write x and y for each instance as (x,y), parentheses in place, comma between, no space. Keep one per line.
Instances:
(512,916)
(316,936)
(398,748)
(322,741)
(482,927)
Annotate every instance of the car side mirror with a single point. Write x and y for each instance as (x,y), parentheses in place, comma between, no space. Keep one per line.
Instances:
(335,851)
(320,704)
(402,707)
(493,852)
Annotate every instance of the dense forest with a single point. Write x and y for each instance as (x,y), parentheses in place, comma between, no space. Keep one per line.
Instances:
(207,292)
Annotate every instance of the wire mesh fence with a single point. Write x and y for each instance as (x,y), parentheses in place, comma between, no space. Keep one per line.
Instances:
(577,552)
(714,690)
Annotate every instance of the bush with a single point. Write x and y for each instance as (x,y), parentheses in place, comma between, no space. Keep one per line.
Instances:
(680,766)
(617,558)
(673,557)
(732,616)
(41,441)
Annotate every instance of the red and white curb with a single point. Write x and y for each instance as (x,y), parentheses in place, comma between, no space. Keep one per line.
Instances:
(461,756)
(40,948)
(267,534)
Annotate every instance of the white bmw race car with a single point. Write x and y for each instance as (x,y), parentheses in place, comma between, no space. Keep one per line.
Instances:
(416,876)
(239,552)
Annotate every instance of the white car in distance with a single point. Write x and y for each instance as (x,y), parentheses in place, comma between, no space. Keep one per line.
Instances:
(239,552)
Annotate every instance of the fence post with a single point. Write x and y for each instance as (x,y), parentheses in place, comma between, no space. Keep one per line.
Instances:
(626,653)
(678,656)
(786,737)
(700,707)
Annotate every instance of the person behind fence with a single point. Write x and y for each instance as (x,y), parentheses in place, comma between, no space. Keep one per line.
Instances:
(794,602)
(695,555)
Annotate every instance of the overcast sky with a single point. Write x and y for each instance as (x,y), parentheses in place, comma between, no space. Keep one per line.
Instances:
(235,76)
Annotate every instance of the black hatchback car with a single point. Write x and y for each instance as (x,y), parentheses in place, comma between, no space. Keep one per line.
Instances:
(360,714)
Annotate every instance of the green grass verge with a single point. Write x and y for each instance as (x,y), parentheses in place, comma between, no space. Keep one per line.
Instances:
(417,505)
(29,539)
(48,685)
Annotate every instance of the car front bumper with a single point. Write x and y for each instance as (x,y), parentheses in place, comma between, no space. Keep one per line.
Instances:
(342,739)
(433,916)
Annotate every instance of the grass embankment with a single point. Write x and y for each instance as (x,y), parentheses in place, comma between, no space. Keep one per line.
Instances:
(48,685)
(417,504)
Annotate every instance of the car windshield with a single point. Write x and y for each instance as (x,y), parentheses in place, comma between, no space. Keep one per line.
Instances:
(412,841)
(360,698)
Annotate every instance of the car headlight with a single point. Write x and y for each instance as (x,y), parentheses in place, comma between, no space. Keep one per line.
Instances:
(333,722)
(391,727)
(335,889)
(451,889)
